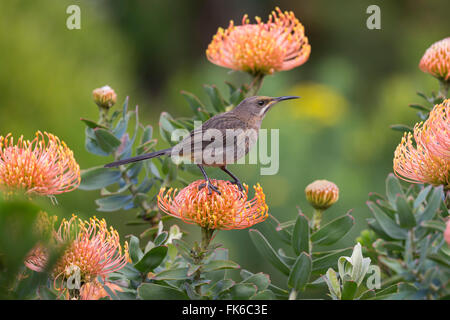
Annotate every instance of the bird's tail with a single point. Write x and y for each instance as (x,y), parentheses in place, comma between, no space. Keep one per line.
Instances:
(139,158)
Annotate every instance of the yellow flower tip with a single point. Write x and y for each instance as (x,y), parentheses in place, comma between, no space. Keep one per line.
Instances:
(322,194)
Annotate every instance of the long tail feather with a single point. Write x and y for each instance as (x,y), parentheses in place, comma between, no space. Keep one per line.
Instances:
(138,158)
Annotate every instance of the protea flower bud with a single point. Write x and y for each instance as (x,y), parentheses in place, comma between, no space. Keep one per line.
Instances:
(436,60)
(104,97)
(322,194)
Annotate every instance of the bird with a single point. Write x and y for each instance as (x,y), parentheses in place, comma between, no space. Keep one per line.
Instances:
(219,141)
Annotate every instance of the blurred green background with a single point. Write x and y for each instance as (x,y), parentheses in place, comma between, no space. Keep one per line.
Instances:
(356,83)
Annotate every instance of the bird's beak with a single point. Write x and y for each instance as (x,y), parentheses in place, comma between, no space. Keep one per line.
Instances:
(285,98)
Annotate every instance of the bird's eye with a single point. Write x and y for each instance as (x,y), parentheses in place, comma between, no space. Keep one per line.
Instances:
(261,102)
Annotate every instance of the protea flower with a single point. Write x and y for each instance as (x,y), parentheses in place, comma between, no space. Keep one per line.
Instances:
(41,166)
(424,157)
(322,194)
(91,250)
(262,48)
(229,210)
(436,60)
(95,290)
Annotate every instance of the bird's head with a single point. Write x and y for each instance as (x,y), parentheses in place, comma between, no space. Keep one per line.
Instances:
(257,106)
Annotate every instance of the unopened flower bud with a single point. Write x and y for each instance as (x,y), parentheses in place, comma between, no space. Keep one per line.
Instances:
(436,60)
(104,97)
(322,194)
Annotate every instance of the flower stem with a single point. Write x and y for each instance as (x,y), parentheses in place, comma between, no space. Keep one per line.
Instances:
(444,86)
(199,253)
(293,295)
(103,120)
(255,85)
(317,218)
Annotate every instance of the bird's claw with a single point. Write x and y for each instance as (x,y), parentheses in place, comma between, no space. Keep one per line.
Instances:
(210,186)
(239,185)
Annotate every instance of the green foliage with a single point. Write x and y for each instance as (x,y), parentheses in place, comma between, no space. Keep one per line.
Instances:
(170,270)
(408,224)
(310,257)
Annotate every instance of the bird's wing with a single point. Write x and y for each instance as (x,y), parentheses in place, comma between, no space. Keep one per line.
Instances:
(221,136)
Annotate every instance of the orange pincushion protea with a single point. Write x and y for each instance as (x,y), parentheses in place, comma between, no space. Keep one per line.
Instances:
(95,290)
(261,48)
(37,167)
(229,210)
(92,250)
(436,60)
(428,161)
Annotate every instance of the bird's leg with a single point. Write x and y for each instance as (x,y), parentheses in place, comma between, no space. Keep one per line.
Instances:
(208,183)
(236,179)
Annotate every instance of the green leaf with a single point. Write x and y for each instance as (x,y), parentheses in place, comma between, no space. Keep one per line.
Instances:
(195,104)
(242,291)
(386,223)
(391,263)
(267,251)
(422,196)
(300,272)
(219,265)
(98,178)
(237,97)
(165,126)
(151,291)
(161,238)
(300,235)
(432,205)
(330,260)
(260,280)
(281,231)
(172,274)
(264,295)
(393,188)
(375,226)
(405,214)
(440,259)
(92,124)
(106,140)
(349,290)
(419,107)
(333,231)
(401,128)
(136,253)
(221,286)
(113,203)
(434,224)
(151,259)
(216,98)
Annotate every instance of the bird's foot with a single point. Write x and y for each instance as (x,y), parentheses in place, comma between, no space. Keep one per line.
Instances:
(238,184)
(210,187)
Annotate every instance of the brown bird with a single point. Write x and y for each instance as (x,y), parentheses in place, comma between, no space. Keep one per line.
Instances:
(219,141)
